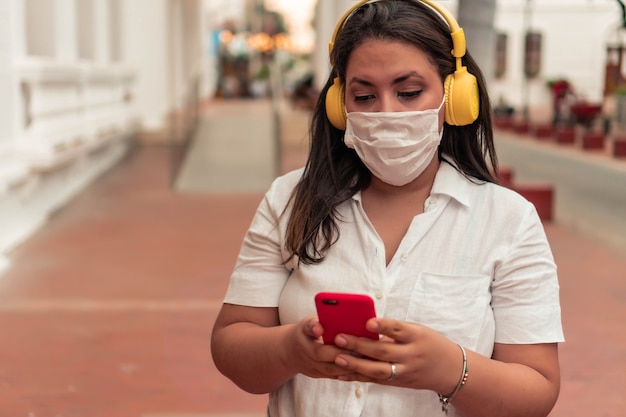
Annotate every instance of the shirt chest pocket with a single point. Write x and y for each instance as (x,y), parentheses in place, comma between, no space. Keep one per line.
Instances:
(457,306)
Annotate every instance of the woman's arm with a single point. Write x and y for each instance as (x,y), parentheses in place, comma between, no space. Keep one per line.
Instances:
(250,347)
(247,347)
(520,380)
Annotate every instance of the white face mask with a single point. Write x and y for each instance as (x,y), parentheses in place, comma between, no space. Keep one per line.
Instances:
(395,146)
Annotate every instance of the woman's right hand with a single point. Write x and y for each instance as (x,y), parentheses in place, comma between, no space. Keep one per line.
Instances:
(308,355)
(252,348)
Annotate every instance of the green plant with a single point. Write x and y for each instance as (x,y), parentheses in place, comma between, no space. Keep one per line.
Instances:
(620,90)
(263,73)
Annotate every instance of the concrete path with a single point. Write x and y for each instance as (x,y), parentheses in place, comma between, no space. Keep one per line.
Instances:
(590,185)
(107,311)
(235,149)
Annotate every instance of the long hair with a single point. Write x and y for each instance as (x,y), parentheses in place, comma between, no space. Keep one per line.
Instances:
(334,173)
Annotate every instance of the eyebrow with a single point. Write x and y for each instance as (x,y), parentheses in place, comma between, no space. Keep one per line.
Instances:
(400,79)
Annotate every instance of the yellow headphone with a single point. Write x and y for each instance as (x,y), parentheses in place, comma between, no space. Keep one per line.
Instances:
(460,87)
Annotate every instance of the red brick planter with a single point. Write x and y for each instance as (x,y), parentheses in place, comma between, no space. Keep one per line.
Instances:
(521,126)
(619,146)
(593,140)
(503,122)
(505,176)
(540,194)
(565,135)
(543,132)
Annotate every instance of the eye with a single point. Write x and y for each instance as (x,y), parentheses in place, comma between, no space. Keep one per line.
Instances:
(409,94)
(364,97)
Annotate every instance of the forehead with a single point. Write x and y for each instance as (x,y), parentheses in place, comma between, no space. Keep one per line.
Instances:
(376,56)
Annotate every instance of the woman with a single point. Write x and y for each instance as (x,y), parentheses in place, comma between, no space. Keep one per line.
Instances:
(402,206)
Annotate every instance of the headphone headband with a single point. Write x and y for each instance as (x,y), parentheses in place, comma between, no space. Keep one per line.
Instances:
(458,36)
(461,90)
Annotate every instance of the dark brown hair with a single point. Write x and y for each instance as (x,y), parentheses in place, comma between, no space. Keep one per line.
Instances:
(333,172)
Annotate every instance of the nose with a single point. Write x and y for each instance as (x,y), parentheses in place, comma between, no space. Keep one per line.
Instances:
(388,103)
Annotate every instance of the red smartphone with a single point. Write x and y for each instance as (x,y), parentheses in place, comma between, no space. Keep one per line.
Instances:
(344,313)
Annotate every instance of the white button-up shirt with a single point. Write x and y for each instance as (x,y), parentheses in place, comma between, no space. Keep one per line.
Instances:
(475,266)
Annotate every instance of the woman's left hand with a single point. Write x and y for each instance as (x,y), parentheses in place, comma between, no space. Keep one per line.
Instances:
(423,358)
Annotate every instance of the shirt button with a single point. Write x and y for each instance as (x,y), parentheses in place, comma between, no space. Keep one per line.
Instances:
(358,393)
(378,294)
(404,256)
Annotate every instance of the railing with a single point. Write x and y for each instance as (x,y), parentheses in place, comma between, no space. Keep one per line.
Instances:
(71,122)
(71,109)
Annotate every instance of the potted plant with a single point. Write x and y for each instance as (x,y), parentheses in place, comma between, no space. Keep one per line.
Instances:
(260,83)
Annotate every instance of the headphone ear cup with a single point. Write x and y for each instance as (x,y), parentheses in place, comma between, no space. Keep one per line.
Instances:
(462,98)
(335,105)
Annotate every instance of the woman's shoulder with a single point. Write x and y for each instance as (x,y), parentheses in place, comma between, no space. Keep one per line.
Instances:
(504,202)
(287,181)
(282,187)
(494,200)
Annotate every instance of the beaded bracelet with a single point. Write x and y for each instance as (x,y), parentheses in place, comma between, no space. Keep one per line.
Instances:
(445,399)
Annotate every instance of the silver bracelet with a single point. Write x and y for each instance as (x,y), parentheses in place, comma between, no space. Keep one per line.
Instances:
(445,399)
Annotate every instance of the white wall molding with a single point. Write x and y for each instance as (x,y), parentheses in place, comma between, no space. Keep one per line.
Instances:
(81,79)
(69,107)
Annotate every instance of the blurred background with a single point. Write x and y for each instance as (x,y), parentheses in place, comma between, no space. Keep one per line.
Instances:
(138,136)
(86,75)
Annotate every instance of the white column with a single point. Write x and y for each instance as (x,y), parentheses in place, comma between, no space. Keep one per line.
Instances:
(194,37)
(102,36)
(328,12)
(13,37)
(188,42)
(94,33)
(178,49)
(16,26)
(115,27)
(66,47)
(8,20)
(145,47)
(477,20)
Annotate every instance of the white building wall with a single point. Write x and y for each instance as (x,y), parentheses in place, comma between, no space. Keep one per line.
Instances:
(81,78)
(146,49)
(575,33)
(186,51)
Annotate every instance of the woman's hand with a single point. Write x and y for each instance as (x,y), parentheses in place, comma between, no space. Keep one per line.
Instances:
(309,356)
(252,348)
(519,380)
(423,358)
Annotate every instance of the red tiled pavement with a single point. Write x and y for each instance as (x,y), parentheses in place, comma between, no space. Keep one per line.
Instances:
(107,311)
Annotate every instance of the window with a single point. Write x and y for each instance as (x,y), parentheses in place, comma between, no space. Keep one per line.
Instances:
(501,50)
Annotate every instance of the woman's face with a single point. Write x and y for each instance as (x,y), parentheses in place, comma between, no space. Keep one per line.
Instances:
(391,76)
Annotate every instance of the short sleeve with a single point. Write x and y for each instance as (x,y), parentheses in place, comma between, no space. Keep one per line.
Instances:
(525,290)
(260,272)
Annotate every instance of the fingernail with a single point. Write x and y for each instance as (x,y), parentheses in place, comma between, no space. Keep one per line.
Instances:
(340,341)
(341,361)
(373,326)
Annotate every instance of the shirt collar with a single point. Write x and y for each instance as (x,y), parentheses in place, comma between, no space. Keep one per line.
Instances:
(449,181)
